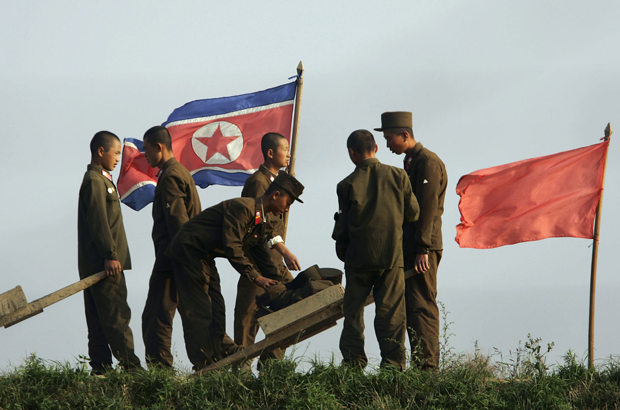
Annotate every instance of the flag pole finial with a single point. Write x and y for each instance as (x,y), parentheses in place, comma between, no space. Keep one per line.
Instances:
(300,68)
(608,131)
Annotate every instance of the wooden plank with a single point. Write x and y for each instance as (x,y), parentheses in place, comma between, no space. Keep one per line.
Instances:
(285,336)
(297,311)
(12,300)
(37,306)
(291,333)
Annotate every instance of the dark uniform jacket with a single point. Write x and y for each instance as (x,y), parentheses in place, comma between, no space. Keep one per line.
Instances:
(101,234)
(224,230)
(254,187)
(375,201)
(429,180)
(176,201)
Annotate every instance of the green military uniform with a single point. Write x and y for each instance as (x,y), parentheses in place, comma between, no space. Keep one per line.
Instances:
(101,236)
(246,325)
(375,201)
(175,202)
(429,179)
(228,230)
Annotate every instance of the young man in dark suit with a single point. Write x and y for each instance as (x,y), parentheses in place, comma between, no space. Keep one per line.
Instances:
(102,245)
(374,203)
(422,243)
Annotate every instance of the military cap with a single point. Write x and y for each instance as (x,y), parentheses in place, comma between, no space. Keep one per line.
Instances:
(290,184)
(315,273)
(395,119)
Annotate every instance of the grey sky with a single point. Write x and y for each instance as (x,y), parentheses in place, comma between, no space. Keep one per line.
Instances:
(487,82)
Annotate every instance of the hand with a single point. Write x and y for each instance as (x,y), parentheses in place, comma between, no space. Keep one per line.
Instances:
(112,267)
(421,263)
(264,282)
(291,261)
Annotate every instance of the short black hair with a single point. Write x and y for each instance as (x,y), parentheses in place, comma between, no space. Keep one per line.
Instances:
(275,187)
(401,130)
(271,140)
(103,139)
(158,134)
(361,141)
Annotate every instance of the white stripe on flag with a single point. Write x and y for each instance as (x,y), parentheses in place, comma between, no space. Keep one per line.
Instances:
(131,145)
(231,114)
(228,171)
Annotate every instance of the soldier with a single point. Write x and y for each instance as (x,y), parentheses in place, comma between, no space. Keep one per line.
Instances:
(175,202)
(102,245)
(374,202)
(422,243)
(228,229)
(276,156)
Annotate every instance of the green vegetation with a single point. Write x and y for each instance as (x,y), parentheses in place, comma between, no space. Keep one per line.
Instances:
(462,382)
(474,381)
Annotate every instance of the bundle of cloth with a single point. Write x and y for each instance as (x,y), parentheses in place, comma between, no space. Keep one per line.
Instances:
(306,283)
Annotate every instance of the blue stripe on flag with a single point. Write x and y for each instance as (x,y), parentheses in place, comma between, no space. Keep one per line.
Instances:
(138,143)
(140,198)
(222,105)
(208,177)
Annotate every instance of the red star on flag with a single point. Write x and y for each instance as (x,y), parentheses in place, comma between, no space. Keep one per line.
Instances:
(217,143)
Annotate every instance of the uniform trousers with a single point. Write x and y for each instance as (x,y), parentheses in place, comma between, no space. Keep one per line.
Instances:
(203,313)
(423,312)
(159,310)
(107,319)
(388,288)
(246,325)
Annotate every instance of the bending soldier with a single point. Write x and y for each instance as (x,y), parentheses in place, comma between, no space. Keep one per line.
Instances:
(228,229)
(276,155)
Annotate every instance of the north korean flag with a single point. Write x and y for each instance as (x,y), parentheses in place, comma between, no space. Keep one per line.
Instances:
(218,141)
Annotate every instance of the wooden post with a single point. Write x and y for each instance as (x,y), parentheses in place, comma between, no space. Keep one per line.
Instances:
(291,165)
(597,226)
(36,306)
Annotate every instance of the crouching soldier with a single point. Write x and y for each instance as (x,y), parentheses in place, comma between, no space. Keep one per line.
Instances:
(228,229)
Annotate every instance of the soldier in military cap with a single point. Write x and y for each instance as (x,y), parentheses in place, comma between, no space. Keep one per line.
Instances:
(275,149)
(228,229)
(102,245)
(422,243)
(374,202)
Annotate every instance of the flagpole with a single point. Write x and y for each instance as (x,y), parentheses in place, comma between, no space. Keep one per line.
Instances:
(597,225)
(291,165)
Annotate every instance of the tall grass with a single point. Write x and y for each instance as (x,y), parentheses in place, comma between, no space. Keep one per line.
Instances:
(463,381)
(469,382)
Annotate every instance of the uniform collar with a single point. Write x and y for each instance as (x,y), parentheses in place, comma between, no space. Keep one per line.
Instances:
(415,151)
(265,171)
(169,163)
(366,162)
(99,171)
(166,165)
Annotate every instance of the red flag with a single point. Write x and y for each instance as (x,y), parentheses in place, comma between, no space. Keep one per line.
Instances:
(533,199)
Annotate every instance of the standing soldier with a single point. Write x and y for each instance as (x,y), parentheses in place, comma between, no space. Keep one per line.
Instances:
(276,155)
(374,202)
(229,229)
(422,240)
(175,202)
(102,245)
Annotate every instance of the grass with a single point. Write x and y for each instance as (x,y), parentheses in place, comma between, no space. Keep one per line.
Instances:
(470,381)
(462,381)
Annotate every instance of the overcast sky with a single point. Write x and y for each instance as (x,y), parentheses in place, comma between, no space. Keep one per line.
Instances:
(488,83)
